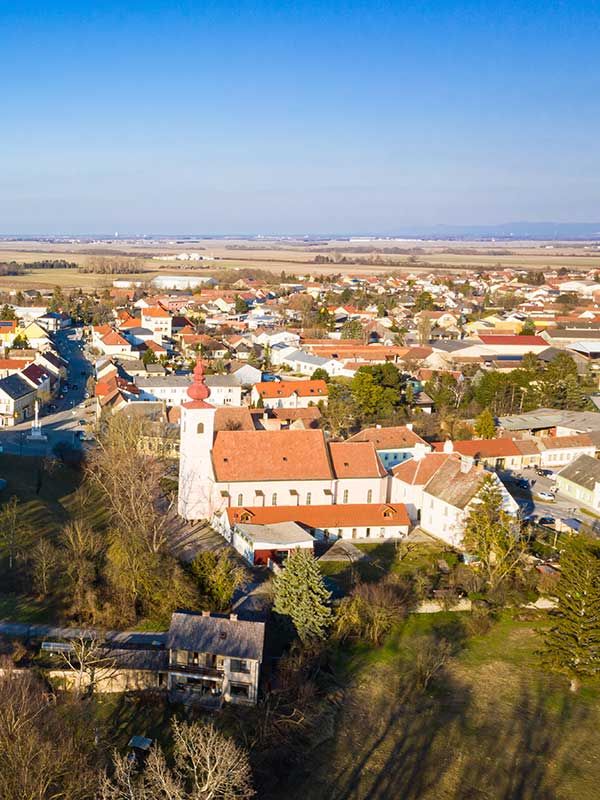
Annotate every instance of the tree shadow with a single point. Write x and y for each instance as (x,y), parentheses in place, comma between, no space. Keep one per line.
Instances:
(528,755)
(404,757)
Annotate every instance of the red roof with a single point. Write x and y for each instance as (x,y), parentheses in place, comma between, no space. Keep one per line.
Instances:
(275,389)
(271,456)
(419,471)
(355,460)
(484,448)
(350,515)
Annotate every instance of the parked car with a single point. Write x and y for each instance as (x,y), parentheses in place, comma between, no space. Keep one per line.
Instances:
(548,496)
(545,472)
(548,521)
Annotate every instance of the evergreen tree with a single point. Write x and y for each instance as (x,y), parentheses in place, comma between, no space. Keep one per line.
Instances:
(300,594)
(573,643)
(485,425)
(492,534)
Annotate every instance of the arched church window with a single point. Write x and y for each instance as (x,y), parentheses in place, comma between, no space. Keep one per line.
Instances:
(200,428)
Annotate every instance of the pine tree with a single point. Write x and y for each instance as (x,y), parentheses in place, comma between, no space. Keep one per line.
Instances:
(485,425)
(492,534)
(573,643)
(300,594)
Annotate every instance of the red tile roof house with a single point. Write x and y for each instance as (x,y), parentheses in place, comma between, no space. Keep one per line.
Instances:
(393,445)
(289,394)
(438,491)
(269,534)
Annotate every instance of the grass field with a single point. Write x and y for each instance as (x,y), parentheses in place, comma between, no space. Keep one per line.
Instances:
(494,726)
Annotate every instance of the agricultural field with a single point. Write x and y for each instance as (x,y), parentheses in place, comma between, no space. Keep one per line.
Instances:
(291,257)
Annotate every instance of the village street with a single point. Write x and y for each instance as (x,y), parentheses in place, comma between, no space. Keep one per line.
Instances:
(62,422)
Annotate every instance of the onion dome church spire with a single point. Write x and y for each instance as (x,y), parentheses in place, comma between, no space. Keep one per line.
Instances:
(198,390)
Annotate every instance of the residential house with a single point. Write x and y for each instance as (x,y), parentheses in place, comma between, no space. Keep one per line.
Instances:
(325,522)
(54,321)
(267,544)
(158,321)
(171,389)
(556,451)
(580,480)
(393,445)
(289,394)
(37,336)
(449,495)
(17,400)
(224,390)
(8,331)
(214,658)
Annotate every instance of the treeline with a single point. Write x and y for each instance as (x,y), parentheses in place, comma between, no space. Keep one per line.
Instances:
(17,268)
(105,265)
(555,384)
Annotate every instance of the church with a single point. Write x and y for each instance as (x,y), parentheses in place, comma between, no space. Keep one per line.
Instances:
(221,469)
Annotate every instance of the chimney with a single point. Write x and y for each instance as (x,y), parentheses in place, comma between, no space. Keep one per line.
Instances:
(466,462)
(419,451)
(448,446)
(409,426)
(233,617)
(206,613)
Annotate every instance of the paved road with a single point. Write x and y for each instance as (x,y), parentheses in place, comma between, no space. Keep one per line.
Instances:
(63,423)
(562,507)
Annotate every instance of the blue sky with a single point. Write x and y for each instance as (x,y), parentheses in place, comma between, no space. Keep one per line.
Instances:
(222,117)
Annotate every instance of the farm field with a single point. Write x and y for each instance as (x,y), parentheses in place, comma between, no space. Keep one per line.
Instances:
(296,258)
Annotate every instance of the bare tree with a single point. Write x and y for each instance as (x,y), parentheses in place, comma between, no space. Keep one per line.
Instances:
(45,754)
(90,661)
(12,530)
(208,766)
(130,482)
(430,657)
(44,560)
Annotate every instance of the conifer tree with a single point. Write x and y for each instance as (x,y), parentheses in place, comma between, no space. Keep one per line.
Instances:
(492,534)
(573,643)
(300,594)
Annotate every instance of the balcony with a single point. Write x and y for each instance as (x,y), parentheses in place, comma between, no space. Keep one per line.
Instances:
(196,669)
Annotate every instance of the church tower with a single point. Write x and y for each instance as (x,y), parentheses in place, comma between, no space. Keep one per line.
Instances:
(197,427)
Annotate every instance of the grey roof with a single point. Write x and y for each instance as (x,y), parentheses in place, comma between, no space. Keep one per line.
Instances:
(218,635)
(150,382)
(584,471)
(583,421)
(277,533)
(139,332)
(15,387)
(221,380)
(306,358)
(53,358)
(454,486)
(150,660)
